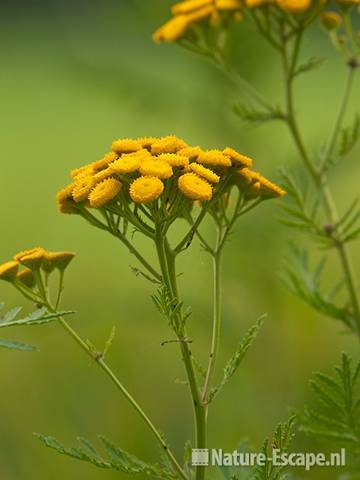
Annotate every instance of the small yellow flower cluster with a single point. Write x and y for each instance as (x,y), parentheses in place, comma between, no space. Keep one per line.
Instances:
(256,185)
(194,13)
(140,170)
(190,12)
(33,260)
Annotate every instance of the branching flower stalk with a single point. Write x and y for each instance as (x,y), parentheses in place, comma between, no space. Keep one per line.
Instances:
(283,24)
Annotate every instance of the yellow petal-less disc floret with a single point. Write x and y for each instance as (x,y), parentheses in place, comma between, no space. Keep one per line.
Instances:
(169,144)
(172,30)
(81,172)
(126,145)
(191,153)
(204,172)
(194,187)
(26,277)
(126,164)
(146,189)
(294,6)
(227,4)
(33,260)
(82,188)
(255,3)
(59,260)
(104,192)
(189,6)
(64,200)
(156,168)
(103,175)
(215,158)
(174,159)
(146,142)
(9,270)
(238,158)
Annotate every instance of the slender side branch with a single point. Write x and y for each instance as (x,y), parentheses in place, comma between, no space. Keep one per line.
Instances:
(103,365)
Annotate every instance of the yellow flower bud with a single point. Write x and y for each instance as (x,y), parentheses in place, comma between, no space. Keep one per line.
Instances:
(331,20)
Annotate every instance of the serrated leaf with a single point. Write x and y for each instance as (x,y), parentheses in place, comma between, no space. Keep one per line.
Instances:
(10,315)
(236,359)
(311,64)
(118,459)
(38,317)
(249,114)
(14,345)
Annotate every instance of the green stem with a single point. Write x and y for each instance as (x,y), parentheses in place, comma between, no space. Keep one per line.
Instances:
(319,177)
(167,266)
(216,329)
(102,364)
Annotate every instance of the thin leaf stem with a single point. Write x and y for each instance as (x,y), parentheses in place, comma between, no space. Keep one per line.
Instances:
(216,328)
(98,357)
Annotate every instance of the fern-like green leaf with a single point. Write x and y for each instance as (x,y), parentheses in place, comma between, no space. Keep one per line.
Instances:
(114,458)
(236,359)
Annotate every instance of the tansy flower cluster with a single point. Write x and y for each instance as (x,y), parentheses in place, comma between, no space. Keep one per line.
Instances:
(189,15)
(31,268)
(143,170)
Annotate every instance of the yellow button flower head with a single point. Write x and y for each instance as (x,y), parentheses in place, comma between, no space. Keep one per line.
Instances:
(246,177)
(270,189)
(104,192)
(191,153)
(194,187)
(204,172)
(59,260)
(156,168)
(29,251)
(128,163)
(171,30)
(126,146)
(9,270)
(189,6)
(215,158)
(33,260)
(294,6)
(255,3)
(84,171)
(146,189)
(200,14)
(65,201)
(238,158)
(26,277)
(174,159)
(146,142)
(169,144)
(227,4)
(103,175)
(82,188)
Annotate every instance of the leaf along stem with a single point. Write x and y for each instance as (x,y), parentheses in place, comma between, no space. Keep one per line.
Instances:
(319,177)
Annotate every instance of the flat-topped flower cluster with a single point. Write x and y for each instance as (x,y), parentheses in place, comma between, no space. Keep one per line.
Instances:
(189,15)
(145,169)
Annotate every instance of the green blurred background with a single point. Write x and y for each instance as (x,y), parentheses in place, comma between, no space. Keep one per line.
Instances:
(73,77)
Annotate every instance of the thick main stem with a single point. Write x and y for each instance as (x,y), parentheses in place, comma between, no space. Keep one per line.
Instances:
(167,266)
(103,365)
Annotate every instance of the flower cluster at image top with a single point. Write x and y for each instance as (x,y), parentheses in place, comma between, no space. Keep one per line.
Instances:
(189,16)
